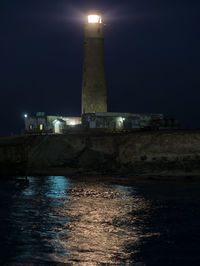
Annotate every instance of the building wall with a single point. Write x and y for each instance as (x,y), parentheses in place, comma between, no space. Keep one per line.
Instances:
(33,124)
(114,121)
(117,121)
(72,121)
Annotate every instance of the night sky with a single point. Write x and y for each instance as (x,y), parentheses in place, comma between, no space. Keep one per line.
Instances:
(152,56)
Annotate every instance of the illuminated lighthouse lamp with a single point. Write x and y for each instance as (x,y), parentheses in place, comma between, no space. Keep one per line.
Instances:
(94,19)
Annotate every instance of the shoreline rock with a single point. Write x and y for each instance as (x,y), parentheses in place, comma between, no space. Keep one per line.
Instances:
(146,153)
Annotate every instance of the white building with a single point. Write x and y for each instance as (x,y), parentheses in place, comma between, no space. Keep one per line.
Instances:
(50,124)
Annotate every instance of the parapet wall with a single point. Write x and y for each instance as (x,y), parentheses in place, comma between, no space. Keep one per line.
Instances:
(137,153)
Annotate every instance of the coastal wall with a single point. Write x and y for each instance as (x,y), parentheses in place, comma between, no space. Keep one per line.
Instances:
(137,153)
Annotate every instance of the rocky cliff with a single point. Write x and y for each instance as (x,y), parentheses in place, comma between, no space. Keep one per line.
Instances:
(136,153)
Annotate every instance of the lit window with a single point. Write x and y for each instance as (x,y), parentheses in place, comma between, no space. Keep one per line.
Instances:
(41,126)
(94,19)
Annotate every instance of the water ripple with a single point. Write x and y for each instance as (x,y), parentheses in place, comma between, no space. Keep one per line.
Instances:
(60,221)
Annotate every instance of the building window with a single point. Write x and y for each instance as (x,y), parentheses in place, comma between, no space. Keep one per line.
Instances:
(41,126)
(30,127)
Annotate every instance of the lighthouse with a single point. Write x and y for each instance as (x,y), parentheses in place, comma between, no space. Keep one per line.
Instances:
(94,93)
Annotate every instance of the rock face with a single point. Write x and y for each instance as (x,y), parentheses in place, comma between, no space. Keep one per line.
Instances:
(153,153)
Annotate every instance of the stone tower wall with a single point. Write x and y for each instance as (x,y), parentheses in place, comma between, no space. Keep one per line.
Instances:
(94,93)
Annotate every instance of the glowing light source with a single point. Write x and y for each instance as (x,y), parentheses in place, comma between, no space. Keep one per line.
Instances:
(94,19)
(72,123)
(41,126)
(57,126)
(25,115)
(121,119)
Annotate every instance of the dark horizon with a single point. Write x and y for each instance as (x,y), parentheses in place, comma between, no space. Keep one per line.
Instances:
(151,55)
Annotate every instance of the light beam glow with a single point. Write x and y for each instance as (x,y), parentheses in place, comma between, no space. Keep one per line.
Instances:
(94,19)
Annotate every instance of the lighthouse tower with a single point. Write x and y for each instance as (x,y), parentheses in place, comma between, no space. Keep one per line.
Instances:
(94,94)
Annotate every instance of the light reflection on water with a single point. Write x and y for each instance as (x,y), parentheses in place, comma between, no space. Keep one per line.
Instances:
(101,224)
(60,220)
(94,220)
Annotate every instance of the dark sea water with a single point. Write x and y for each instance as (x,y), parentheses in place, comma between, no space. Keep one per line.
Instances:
(57,220)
